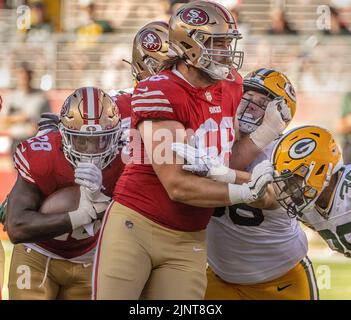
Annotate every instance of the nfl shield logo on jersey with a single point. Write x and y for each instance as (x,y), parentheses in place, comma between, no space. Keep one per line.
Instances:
(208,96)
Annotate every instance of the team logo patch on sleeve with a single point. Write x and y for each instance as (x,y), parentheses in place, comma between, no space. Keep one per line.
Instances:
(302,148)
(194,17)
(150,41)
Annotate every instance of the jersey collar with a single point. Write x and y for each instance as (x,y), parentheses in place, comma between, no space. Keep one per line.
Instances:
(180,75)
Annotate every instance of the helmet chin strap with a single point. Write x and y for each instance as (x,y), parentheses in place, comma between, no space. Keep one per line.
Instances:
(217,72)
(325,184)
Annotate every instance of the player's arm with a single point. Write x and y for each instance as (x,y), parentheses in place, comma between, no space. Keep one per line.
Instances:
(247,149)
(180,185)
(268,201)
(199,163)
(24,222)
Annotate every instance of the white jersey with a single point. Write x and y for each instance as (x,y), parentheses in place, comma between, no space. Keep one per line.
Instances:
(335,227)
(249,246)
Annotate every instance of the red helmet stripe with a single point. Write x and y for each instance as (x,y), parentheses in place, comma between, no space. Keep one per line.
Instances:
(96,106)
(85,106)
(227,17)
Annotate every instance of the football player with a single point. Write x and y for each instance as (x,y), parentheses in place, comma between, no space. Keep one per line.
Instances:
(256,253)
(145,61)
(312,184)
(153,236)
(57,249)
(150,48)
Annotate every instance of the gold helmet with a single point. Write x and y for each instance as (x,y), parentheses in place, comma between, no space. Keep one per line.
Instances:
(304,160)
(272,84)
(150,48)
(90,125)
(194,28)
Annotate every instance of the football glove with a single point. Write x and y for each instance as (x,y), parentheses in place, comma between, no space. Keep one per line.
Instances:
(261,177)
(87,174)
(274,122)
(85,212)
(48,122)
(201,164)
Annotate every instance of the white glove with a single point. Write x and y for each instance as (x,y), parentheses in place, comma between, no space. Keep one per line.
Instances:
(203,165)
(100,201)
(261,176)
(85,212)
(276,116)
(125,137)
(87,174)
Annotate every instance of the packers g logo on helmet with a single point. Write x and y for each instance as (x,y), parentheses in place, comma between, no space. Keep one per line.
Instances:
(304,160)
(290,91)
(302,148)
(272,83)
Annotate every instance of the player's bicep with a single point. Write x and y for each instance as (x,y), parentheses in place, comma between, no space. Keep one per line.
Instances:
(24,197)
(158,136)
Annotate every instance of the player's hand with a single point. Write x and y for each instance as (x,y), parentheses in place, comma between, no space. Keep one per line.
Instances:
(125,137)
(85,212)
(87,174)
(201,164)
(48,122)
(275,120)
(197,161)
(261,177)
(100,203)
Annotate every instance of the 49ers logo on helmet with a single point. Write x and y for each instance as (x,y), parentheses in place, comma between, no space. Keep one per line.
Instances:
(194,17)
(150,41)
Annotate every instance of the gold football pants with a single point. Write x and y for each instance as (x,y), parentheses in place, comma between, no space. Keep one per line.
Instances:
(138,258)
(297,284)
(33,276)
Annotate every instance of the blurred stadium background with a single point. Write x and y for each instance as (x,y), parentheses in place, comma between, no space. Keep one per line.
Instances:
(69,44)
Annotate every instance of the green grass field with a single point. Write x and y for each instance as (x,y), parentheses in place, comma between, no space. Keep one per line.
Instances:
(338,287)
(332,269)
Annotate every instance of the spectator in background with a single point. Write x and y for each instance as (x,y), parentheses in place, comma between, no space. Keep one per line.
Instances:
(41,27)
(279,24)
(90,25)
(337,26)
(175,4)
(23,107)
(344,127)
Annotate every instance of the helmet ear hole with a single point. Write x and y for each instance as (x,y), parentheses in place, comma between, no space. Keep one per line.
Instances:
(186,45)
(320,170)
(140,66)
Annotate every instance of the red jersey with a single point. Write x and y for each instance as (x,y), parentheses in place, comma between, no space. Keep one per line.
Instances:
(209,112)
(41,161)
(123,101)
